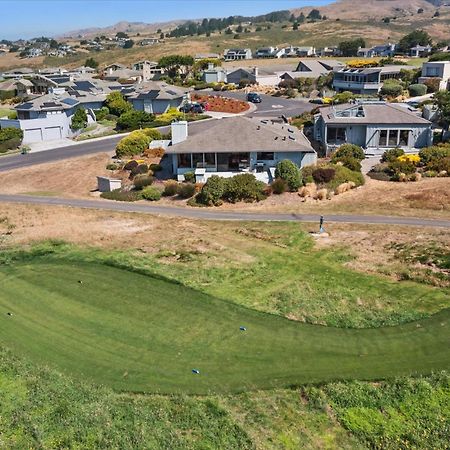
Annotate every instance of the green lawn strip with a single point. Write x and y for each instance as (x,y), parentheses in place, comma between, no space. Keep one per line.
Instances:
(141,333)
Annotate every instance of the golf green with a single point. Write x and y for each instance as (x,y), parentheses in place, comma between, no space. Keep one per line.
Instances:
(144,333)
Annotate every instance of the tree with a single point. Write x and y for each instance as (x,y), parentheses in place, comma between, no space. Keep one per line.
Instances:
(91,62)
(79,119)
(228,31)
(350,48)
(295,26)
(117,104)
(121,35)
(442,101)
(314,15)
(239,29)
(301,18)
(289,172)
(174,64)
(416,37)
(129,43)
(133,120)
(292,18)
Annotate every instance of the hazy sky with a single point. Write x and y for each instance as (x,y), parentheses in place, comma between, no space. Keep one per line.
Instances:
(32,18)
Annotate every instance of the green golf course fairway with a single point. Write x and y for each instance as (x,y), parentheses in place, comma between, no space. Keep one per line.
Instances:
(141,333)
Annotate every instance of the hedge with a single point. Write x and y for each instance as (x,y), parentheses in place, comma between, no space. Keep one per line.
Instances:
(290,173)
(417,90)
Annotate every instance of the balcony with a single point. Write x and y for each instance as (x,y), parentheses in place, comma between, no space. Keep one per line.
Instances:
(356,85)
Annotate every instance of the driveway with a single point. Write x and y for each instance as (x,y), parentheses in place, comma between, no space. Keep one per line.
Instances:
(214,214)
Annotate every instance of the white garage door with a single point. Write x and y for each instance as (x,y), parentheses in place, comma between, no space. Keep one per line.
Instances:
(32,135)
(52,133)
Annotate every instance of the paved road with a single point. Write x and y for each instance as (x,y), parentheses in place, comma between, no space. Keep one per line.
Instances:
(210,214)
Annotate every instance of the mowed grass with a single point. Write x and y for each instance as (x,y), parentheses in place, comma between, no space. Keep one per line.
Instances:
(143,333)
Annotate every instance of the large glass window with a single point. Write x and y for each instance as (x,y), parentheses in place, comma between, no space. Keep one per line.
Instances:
(210,159)
(336,135)
(383,138)
(265,156)
(197,160)
(404,138)
(393,138)
(184,161)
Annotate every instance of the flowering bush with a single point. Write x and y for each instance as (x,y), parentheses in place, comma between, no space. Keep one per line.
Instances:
(415,159)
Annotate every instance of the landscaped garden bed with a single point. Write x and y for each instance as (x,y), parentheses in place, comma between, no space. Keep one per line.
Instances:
(221,104)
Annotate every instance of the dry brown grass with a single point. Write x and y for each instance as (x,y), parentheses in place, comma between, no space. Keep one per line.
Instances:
(69,178)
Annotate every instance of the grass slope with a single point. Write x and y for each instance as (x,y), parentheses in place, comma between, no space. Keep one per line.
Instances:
(144,333)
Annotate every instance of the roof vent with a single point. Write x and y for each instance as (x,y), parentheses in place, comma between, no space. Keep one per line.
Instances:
(292,138)
(290,130)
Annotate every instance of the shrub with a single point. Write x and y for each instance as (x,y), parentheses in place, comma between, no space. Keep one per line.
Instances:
(156,167)
(111,117)
(133,144)
(212,192)
(345,175)
(10,138)
(392,154)
(189,177)
(440,164)
(151,193)
(395,168)
(79,119)
(351,163)
(434,153)
(343,97)
(244,187)
(391,89)
(101,114)
(306,174)
(155,152)
(279,186)
(321,194)
(134,120)
(121,196)
(130,165)
(323,175)
(415,159)
(170,188)
(290,173)
(349,151)
(140,169)
(112,166)
(142,181)
(417,90)
(186,190)
(117,104)
(308,191)
(432,84)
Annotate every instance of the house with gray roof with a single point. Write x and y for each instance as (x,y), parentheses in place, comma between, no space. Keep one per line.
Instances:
(366,81)
(311,68)
(237,54)
(235,145)
(156,97)
(374,126)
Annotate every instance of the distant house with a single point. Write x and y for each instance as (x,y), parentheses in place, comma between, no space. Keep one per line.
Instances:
(420,51)
(374,126)
(34,52)
(269,52)
(237,54)
(156,97)
(200,56)
(366,81)
(150,69)
(214,74)
(329,52)
(235,145)
(253,75)
(306,51)
(384,51)
(311,68)
(437,70)
(150,41)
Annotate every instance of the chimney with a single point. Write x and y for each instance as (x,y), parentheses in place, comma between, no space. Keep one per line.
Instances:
(179,132)
(210,66)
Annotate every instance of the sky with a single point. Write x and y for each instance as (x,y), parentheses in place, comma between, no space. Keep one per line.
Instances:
(32,18)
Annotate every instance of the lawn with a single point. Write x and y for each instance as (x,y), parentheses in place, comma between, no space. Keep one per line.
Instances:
(138,332)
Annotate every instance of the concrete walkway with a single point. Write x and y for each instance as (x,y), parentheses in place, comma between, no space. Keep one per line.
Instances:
(216,214)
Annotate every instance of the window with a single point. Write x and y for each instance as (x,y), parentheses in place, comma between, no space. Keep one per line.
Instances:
(336,135)
(394,138)
(210,159)
(197,160)
(404,138)
(265,156)
(184,161)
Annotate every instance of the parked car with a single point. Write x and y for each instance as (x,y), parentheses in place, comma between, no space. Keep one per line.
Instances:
(253,97)
(321,101)
(198,108)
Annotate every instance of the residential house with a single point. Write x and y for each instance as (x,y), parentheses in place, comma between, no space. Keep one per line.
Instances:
(375,126)
(420,51)
(214,74)
(45,118)
(269,52)
(253,75)
(437,70)
(34,52)
(150,41)
(150,69)
(234,145)
(366,81)
(237,54)
(383,51)
(156,97)
(329,52)
(311,68)
(303,52)
(84,70)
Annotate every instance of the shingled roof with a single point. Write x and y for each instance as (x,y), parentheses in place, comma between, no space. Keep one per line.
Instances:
(243,134)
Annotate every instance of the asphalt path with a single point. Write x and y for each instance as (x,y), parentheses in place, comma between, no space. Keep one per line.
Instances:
(211,214)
